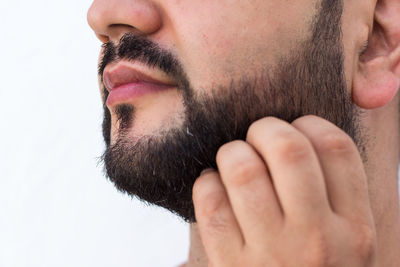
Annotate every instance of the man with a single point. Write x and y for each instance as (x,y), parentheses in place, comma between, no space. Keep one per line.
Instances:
(279,119)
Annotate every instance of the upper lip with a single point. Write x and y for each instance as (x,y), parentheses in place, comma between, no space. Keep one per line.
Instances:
(123,72)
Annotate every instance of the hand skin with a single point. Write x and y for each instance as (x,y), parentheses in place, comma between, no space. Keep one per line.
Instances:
(290,195)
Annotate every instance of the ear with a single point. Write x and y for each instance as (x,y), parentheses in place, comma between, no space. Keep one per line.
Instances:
(378,78)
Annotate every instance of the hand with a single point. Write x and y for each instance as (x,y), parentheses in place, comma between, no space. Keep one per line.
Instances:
(292,195)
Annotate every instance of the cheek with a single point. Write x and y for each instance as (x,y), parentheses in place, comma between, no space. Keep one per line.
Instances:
(209,53)
(217,42)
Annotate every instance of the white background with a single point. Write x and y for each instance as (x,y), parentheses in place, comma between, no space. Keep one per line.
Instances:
(56,207)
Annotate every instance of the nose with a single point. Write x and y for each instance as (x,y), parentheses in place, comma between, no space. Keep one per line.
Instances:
(110,19)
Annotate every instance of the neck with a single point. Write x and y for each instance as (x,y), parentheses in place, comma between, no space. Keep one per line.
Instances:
(382,171)
(197,254)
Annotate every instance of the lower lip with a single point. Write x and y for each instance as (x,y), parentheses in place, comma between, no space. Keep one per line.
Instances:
(131,91)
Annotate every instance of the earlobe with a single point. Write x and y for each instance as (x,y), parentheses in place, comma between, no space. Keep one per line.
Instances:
(377,78)
(375,89)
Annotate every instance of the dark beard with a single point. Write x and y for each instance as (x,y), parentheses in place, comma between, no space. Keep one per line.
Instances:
(162,169)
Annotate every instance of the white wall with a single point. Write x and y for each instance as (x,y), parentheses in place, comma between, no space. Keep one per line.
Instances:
(56,207)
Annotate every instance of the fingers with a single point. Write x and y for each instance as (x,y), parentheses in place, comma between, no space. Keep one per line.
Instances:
(294,168)
(250,190)
(291,175)
(219,230)
(341,164)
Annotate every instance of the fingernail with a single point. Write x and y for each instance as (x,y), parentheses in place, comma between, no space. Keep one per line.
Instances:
(207,171)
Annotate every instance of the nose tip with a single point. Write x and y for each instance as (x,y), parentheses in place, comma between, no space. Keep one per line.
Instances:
(110,19)
(94,18)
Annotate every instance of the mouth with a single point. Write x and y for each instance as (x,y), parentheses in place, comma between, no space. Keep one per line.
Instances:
(127,82)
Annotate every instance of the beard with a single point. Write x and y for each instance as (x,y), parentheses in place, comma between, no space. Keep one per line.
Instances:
(161,169)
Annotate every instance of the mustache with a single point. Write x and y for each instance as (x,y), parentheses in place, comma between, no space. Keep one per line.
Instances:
(133,47)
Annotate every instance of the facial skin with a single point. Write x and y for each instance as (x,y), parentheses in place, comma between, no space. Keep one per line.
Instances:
(148,167)
(219,49)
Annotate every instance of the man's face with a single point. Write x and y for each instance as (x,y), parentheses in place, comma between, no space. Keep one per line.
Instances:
(221,65)
(214,41)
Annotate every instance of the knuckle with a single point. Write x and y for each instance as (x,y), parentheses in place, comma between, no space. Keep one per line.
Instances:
(207,194)
(214,221)
(199,188)
(291,147)
(318,253)
(240,165)
(210,203)
(226,151)
(365,244)
(258,126)
(253,129)
(336,142)
(307,120)
(310,117)
(243,173)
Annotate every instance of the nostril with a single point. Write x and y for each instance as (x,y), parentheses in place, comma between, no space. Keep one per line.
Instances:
(103,38)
